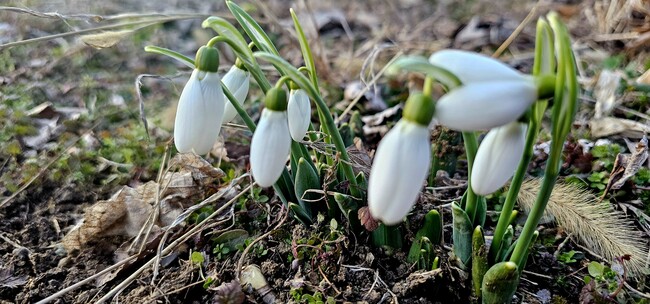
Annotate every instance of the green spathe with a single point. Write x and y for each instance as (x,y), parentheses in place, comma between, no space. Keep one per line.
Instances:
(207,59)
(500,283)
(276,100)
(419,109)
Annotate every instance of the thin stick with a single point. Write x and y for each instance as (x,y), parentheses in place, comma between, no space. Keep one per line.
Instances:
(169,248)
(99,28)
(517,31)
(84,281)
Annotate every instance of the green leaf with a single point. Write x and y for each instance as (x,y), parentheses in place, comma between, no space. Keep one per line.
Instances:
(172,54)
(252,29)
(226,29)
(197,258)
(462,234)
(479,259)
(306,179)
(304,47)
(596,269)
(544,49)
(232,238)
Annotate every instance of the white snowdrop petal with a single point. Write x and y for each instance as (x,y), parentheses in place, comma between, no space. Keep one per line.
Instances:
(270,147)
(299,111)
(399,169)
(497,157)
(485,105)
(472,67)
(237,81)
(199,113)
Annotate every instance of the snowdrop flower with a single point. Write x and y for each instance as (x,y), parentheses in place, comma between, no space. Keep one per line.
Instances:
(497,157)
(271,141)
(472,67)
(493,94)
(401,163)
(485,105)
(237,80)
(299,111)
(200,108)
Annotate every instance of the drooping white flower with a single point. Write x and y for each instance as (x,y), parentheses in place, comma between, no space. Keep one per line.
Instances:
(237,81)
(271,141)
(485,105)
(200,107)
(497,157)
(401,163)
(472,67)
(299,111)
(199,113)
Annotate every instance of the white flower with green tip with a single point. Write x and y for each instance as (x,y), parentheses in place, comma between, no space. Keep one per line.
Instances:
(401,163)
(271,141)
(200,107)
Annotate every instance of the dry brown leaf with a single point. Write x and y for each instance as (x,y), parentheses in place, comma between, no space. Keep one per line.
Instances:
(366,219)
(607,126)
(128,209)
(627,165)
(105,39)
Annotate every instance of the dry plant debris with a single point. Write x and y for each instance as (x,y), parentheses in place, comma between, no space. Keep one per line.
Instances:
(595,224)
(127,210)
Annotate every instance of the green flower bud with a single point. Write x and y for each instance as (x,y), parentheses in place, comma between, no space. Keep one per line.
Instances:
(419,109)
(276,100)
(293,85)
(207,59)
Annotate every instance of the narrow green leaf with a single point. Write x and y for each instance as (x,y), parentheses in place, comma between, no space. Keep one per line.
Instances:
(172,54)
(307,55)
(252,29)
(306,179)
(544,49)
(479,260)
(226,29)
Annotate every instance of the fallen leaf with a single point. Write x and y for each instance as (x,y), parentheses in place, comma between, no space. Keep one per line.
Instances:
(367,220)
(105,39)
(126,211)
(607,126)
(7,279)
(627,165)
(228,293)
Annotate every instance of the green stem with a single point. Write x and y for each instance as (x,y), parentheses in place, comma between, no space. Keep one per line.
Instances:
(513,192)
(519,255)
(283,80)
(170,53)
(471,146)
(427,88)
